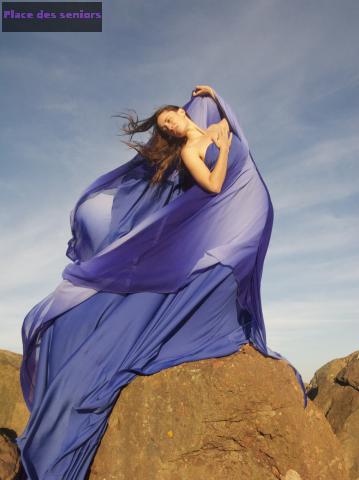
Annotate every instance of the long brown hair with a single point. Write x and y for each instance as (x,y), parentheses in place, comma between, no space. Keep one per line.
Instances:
(162,151)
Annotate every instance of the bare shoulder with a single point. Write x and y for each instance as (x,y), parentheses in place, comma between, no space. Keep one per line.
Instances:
(189,152)
(197,168)
(214,127)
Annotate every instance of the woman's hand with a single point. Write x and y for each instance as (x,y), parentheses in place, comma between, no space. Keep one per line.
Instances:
(204,90)
(221,139)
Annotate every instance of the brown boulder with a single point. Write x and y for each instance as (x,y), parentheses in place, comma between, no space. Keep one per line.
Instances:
(13,410)
(335,390)
(9,457)
(239,416)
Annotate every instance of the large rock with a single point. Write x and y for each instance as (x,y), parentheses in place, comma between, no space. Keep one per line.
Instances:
(13,411)
(9,457)
(335,390)
(235,417)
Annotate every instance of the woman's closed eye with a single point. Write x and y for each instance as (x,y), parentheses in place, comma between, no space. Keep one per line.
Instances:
(168,123)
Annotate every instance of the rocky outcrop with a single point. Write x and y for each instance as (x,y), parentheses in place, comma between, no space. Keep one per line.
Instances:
(335,390)
(239,416)
(9,457)
(13,411)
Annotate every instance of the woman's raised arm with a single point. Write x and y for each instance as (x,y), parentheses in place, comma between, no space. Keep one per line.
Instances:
(224,109)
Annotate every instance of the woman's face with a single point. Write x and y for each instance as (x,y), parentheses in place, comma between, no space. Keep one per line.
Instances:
(173,122)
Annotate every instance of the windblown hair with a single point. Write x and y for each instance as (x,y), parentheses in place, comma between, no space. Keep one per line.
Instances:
(162,151)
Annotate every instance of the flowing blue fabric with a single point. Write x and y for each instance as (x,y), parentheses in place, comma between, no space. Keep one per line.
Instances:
(160,275)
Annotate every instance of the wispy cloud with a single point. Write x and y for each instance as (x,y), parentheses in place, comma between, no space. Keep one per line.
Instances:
(322,233)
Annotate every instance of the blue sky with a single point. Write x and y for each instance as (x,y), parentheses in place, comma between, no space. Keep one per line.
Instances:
(289,70)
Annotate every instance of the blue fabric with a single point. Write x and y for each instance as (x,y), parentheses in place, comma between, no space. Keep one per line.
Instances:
(157,278)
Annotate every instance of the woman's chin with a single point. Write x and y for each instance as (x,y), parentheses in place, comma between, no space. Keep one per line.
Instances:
(180,134)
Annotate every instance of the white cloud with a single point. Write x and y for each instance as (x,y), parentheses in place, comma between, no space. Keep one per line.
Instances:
(312,232)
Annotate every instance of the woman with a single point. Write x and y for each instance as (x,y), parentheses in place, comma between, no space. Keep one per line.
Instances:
(177,136)
(167,255)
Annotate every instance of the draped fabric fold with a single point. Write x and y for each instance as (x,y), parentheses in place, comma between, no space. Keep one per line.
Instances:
(150,266)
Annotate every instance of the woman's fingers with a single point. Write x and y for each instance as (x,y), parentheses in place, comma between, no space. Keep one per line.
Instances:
(202,89)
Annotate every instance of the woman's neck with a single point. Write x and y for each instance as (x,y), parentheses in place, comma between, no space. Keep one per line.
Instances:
(194,131)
